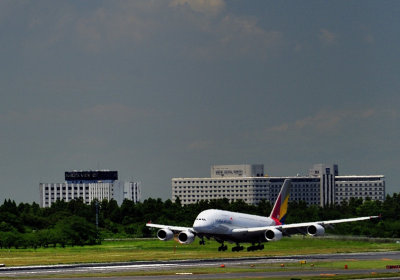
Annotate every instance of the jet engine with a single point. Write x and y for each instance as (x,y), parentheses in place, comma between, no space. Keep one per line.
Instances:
(165,234)
(316,230)
(273,235)
(186,237)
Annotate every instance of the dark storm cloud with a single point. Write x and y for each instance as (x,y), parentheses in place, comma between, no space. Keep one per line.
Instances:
(162,89)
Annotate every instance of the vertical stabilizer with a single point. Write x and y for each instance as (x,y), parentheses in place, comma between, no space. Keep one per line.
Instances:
(278,213)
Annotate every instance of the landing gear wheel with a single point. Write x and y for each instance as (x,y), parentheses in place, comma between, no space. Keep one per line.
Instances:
(255,247)
(237,248)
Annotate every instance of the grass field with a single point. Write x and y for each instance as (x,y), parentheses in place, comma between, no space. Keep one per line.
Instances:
(152,249)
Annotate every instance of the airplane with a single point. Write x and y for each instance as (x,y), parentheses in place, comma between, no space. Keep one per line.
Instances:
(235,227)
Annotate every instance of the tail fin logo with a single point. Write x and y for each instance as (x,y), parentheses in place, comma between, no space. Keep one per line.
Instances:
(278,213)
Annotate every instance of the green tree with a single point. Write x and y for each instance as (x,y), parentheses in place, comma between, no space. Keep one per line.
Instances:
(75,230)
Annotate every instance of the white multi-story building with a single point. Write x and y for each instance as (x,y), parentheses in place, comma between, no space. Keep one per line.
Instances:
(323,186)
(372,186)
(89,185)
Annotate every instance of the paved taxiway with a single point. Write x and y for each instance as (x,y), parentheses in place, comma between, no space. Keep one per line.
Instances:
(55,271)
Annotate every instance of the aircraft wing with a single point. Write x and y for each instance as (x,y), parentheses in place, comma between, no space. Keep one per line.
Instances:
(300,227)
(175,229)
(325,223)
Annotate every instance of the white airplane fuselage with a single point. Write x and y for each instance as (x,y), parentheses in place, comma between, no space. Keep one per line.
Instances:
(221,223)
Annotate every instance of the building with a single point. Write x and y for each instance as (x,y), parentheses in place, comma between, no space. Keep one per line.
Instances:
(89,185)
(322,186)
(372,186)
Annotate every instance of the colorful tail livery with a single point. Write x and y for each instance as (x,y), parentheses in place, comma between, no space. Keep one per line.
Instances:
(278,213)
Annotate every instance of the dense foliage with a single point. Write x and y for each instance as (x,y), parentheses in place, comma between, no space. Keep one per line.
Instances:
(74,223)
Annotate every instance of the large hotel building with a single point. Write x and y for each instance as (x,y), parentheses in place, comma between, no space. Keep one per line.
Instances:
(323,185)
(89,185)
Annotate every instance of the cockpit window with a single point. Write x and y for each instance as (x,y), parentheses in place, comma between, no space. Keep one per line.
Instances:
(201,219)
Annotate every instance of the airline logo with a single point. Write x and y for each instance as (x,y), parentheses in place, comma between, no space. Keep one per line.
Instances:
(281,205)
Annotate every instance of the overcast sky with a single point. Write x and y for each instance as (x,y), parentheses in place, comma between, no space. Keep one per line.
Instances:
(163,89)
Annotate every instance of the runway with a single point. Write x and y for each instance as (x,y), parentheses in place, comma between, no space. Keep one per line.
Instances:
(171,267)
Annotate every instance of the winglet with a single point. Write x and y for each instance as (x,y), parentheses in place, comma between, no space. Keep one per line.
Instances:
(278,213)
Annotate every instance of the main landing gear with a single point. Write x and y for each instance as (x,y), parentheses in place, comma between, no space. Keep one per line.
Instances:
(255,247)
(237,248)
(202,242)
(222,247)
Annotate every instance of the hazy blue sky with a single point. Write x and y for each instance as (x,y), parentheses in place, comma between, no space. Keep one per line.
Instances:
(163,89)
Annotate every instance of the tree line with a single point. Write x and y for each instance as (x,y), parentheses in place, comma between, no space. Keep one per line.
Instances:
(75,223)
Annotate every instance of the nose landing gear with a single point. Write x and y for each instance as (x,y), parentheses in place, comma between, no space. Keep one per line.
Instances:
(202,242)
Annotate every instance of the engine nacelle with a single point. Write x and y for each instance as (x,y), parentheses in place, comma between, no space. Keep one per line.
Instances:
(165,234)
(316,230)
(273,235)
(186,237)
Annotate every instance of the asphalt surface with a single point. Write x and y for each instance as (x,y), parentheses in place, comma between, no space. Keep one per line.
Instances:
(170,267)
